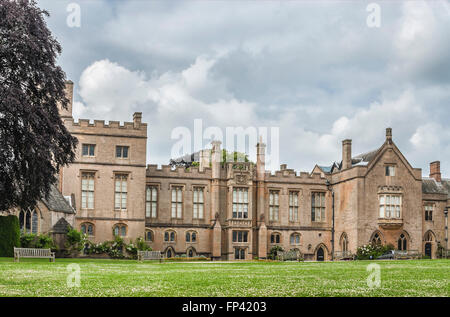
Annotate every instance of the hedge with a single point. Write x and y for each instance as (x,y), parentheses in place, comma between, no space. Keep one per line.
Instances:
(9,235)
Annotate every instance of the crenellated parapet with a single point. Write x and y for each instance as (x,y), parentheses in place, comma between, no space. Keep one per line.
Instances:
(179,172)
(289,175)
(100,127)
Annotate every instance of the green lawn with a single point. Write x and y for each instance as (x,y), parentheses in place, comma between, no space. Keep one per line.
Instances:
(38,277)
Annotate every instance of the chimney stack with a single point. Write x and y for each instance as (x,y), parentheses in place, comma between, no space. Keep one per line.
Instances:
(216,158)
(435,171)
(67,113)
(389,135)
(137,120)
(260,159)
(346,154)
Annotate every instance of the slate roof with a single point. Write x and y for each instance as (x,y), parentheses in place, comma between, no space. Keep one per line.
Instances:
(446,184)
(365,157)
(358,160)
(56,202)
(431,186)
(326,169)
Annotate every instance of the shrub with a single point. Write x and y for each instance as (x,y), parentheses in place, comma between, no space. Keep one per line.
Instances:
(139,245)
(9,235)
(27,240)
(38,241)
(274,251)
(75,241)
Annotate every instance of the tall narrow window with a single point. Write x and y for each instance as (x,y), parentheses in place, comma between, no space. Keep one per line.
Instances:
(88,149)
(34,222)
(240,203)
(293,206)
(428,212)
(177,202)
(151,201)
(120,199)
(122,151)
(390,206)
(273,205)
(198,203)
(22,221)
(402,243)
(87,190)
(28,222)
(318,207)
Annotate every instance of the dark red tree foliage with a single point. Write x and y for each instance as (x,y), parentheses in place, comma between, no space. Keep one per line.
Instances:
(34,142)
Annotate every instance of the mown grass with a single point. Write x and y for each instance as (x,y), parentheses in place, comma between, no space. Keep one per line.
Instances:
(37,277)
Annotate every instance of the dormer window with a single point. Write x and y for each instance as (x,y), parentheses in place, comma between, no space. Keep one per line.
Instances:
(390,170)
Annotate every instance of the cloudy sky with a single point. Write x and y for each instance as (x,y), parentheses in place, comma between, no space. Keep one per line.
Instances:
(313,69)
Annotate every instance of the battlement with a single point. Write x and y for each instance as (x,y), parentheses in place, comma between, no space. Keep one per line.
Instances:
(100,127)
(291,175)
(179,172)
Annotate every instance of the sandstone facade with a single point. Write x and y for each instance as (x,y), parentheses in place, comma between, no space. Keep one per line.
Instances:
(238,210)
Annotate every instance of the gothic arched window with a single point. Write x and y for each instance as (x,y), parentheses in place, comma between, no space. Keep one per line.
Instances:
(402,243)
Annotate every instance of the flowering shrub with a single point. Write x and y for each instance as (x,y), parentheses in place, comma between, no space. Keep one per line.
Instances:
(139,245)
(371,252)
(274,251)
(116,248)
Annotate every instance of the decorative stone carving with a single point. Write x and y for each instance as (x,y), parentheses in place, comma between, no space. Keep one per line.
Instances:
(241,178)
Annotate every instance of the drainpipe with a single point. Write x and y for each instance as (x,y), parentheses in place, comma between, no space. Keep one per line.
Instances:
(332,223)
(446,231)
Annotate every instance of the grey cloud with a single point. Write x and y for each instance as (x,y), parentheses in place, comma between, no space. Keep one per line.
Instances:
(295,64)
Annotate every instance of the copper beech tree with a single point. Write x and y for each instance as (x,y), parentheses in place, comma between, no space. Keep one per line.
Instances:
(34,142)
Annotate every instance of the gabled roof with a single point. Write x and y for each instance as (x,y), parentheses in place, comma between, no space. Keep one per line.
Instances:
(364,158)
(358,160)
(327,169)
(431,186)
(56,201)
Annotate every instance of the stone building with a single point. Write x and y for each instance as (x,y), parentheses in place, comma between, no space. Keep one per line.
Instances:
(50,216)
(238,210)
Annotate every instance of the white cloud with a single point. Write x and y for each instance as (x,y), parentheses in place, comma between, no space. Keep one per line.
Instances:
(313,69)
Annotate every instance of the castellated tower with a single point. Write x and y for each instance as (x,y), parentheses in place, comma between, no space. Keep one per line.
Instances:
(107,178)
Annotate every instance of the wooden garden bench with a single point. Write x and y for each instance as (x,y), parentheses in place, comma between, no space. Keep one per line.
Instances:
(33,253)
(149,255)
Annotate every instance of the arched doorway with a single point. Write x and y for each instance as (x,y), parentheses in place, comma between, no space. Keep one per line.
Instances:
(428,246)
(320,255)
(170,253)
(191,253)
(428,249)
